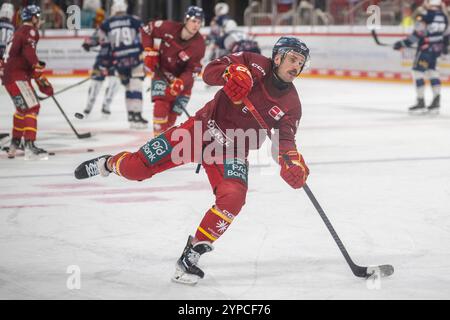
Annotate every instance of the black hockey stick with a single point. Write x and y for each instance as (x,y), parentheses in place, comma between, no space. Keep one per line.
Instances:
(65,89)
(377,41)
(359,271)
(79,136)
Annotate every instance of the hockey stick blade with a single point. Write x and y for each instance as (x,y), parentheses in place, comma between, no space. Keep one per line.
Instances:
(84,135)
(88,168)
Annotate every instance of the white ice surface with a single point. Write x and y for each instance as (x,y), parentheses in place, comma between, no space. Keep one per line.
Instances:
(381,175)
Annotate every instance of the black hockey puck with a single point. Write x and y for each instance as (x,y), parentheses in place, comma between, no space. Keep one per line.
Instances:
(51,153)
(79,115)
(90,150)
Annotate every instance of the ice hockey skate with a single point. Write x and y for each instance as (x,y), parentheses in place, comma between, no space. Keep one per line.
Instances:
(419,107)
(4,139)
(106,113)
(32,152)
(435,105)
(13,147)
(136,121)
(186,268)
(92,168)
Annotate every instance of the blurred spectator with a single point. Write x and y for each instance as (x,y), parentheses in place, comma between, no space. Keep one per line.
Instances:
(407,19)
(221,11)
(92,14)
(320,12)
(284,5)
(52,15)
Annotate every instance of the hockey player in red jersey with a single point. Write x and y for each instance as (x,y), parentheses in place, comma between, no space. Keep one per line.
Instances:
(172,51)
(267,83)
(22,65)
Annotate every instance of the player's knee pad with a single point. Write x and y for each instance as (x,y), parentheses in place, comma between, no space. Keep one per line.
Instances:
(419,78)
(135,85)
(133,95)
(130,166)
(433,75)
(23,96)
(97,75)
(230,195)
(134,101)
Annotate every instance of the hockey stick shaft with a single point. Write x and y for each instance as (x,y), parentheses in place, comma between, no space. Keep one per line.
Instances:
(65,89)
(79,136)
(312,198)
(377,41)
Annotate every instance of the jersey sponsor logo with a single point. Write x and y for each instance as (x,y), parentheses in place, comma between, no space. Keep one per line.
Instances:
(257,66)
(32,43)
(228,214)
(236,169)
(183,56)
(159,88)
(156,149)
(222,226)
(19,102)
(276,113)
(217,134)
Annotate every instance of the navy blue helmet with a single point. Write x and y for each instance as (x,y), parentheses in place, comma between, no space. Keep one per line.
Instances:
(29,11)
(287,44)
(194,12)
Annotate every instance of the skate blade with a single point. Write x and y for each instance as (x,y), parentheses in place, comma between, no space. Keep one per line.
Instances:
(36,157)
(419,112)
(184,278)
(433,112)
(138,126)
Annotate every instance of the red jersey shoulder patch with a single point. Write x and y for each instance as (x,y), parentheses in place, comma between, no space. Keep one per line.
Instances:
(276,113)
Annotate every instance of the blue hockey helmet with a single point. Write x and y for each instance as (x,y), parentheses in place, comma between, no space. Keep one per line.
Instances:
(288,44)
(29,11)
(194,12)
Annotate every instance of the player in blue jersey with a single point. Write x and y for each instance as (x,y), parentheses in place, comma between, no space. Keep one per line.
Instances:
(121,32)
(102,69)
(235,40)
(6,29)
(217,24)
(431,36)
(6,32)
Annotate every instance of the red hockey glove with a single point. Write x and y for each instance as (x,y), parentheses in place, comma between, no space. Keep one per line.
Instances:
(175,88)
(151,58)
(293,169)
(239,82)
(44,86)
(38,69)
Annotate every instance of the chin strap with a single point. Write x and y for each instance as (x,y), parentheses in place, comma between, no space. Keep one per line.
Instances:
(280,84)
